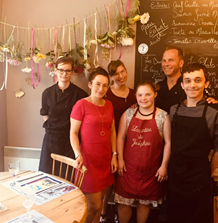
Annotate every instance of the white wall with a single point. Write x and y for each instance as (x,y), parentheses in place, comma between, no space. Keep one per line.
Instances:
(24,124)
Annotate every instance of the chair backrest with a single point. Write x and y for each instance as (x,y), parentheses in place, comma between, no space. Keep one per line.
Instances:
(76,176)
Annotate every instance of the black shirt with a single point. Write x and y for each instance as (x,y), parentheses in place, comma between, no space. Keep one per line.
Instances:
(58,105)
(166,98)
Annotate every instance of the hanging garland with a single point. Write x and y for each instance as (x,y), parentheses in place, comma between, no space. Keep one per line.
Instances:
(123,35)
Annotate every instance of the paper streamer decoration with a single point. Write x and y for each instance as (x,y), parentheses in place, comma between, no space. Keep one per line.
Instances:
(31,56)
(95,62)
(5,52)
(127,11)
(85,49)
(56,43)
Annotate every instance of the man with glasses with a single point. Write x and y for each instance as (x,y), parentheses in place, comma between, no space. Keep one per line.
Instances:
(57,103)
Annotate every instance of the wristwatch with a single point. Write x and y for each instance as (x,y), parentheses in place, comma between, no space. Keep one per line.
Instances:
(115,153)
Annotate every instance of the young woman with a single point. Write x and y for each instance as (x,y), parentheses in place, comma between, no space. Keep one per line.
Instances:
(119,94)
(93,116)
(121,98)
(143,144)
(57,103)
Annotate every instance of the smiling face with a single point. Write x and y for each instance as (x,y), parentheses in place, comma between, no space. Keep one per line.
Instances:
(194,84)
(171,62)
(99,86)
(120,77)
(145,96)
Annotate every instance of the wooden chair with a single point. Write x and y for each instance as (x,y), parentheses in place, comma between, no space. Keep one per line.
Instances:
(76,176)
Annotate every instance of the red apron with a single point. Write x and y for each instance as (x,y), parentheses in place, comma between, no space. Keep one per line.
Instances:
(143,155)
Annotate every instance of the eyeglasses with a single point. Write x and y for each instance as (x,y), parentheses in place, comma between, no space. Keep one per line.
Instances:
(61,71)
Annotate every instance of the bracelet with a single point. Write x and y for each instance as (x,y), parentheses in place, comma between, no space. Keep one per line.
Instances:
(115,153)
(77,156)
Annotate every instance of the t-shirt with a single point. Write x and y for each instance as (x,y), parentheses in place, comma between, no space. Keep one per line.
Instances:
(120,104)
(166,98)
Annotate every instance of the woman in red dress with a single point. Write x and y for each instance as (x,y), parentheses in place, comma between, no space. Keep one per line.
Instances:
(93,117)
(144,151)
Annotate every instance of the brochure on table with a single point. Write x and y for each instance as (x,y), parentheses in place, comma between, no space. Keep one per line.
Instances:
(36,217)
(46,186)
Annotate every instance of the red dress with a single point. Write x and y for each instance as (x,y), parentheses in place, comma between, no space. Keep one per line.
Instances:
(95,149)
(143,156)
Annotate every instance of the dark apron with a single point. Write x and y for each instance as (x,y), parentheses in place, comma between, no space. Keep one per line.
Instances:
(58,143)
(189,169)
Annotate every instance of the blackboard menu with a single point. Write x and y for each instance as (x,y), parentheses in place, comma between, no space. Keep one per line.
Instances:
(190,25)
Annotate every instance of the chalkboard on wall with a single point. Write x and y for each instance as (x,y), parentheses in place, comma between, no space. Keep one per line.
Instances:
(190,25)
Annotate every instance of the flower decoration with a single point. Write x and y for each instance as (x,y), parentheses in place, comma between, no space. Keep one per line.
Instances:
(78,69)
(87,65)
(133,20)
(26,59)
(15,58)
(77,56)
(93,41)
(13,62)
(125,41)
(30,81)
(145,18)
(125,33)
(142,18)
(49,64)
(5,49)
(26,70)
(107,40)
(1,56)
(51,57)
(52,73)
(38,57)
(136,18)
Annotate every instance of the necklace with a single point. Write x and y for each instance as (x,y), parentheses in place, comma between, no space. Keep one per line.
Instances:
(102,133)
(146,114)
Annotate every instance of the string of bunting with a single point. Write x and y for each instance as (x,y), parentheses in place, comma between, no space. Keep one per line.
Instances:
(11,51)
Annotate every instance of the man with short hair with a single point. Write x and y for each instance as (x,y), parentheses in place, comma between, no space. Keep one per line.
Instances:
(194,134)
(171,91)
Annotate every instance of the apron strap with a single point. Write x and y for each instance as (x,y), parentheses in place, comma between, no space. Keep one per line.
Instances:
(205,110)
(136,111)
(177,108)
(153,116)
